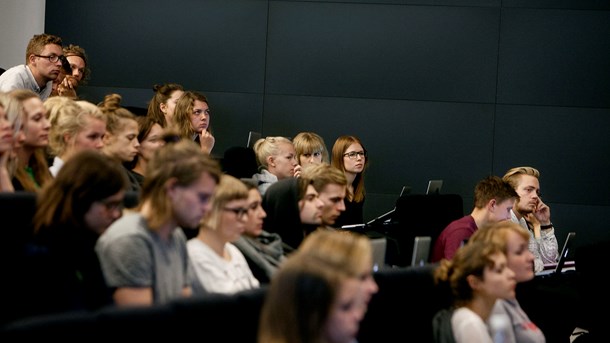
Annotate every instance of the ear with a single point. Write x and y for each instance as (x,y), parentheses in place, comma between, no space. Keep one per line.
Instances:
(474,282)
(170,187)
(67,138)
(31,59)
(491,205)
(271,161)
(163,107)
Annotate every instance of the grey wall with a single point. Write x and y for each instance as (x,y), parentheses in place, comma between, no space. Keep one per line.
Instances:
(434,89)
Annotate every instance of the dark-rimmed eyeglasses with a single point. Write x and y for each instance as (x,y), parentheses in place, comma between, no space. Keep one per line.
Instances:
(240,212)
(52,58)
(112,205)
(352,154)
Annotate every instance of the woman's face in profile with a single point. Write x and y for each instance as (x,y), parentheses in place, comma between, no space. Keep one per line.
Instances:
(346,313)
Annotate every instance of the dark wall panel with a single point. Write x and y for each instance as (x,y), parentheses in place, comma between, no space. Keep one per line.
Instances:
(408,142)
(383,51)
(569,146)
(215,45)
(554,57)
(453,90)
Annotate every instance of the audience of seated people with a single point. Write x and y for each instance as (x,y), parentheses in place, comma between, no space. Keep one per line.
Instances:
(144,259)
(219,266)
(349,156)
(276,159)
(143,254)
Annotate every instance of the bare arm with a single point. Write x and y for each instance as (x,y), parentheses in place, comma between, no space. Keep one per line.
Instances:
(129,296)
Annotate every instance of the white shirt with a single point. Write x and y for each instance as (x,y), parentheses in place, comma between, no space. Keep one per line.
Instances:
(218,275)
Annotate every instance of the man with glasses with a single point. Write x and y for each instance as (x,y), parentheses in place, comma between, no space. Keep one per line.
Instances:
(44,57)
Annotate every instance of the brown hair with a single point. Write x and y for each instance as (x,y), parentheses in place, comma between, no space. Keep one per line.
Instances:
(339,148)
(38,42)
(162,95)
(493,187)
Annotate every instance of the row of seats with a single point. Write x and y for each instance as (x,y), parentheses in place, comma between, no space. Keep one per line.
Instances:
(235,317)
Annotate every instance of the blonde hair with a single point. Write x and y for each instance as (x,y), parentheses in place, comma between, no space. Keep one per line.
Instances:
(309,143)
(299,301)
(68,117)
(183,161)
(228,189)
(345,250)
(513,175)
(268,146)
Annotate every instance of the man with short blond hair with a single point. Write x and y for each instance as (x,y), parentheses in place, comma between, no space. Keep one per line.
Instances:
(533,215)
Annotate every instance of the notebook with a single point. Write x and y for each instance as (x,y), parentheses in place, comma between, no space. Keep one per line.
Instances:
(557,268)
(421,250)
(434,186)
(253,136)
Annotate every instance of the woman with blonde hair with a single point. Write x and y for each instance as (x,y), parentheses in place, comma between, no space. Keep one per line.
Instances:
(32,171)
(513,240)
(276,159)
(11,117)
(219,266)
(75,126)
(310,148)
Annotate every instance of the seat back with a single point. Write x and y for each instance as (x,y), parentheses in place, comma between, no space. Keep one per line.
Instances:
(423,215)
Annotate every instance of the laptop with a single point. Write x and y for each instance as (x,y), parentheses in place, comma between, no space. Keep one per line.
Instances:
(421,250)
(379,246)
(253,136)
(561,265)
(388,215)
(434,187)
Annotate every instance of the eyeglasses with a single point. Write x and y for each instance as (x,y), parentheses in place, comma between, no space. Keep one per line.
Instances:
(112,205)
(240,212)
(52,58)
(352,154)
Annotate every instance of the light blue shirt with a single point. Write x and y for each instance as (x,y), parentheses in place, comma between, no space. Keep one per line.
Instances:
(21,77)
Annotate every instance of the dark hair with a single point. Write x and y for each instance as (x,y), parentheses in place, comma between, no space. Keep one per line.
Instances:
(87,177)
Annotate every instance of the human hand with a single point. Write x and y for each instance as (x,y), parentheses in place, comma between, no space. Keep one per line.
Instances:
(535,223)
(543,213)
(206,141)
(68,86)
(297,171)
